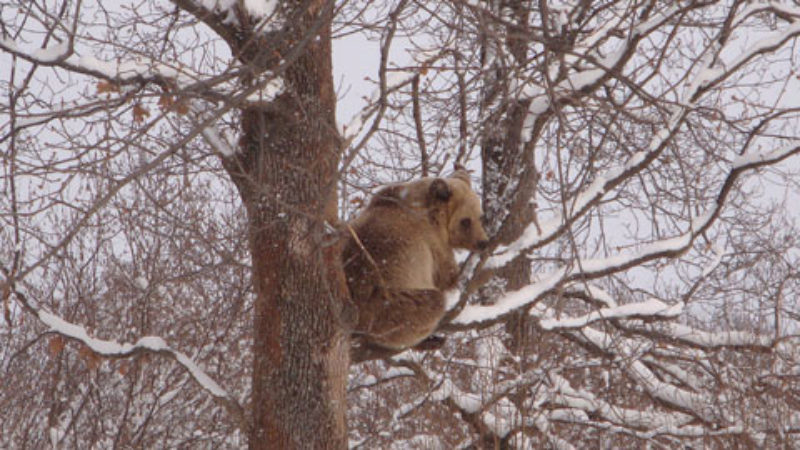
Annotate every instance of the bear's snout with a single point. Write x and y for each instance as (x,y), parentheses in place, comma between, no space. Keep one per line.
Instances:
(481,245)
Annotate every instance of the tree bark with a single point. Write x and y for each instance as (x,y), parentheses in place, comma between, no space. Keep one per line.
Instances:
(286,173)
(509,174)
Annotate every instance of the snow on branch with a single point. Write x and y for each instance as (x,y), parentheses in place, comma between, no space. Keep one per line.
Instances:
(689,400)
(586,404)
(587,269)
(138,70)
(535,236)
(573,416)
(211,132)
(670,331)
(574,82)
(44,56)
(147,344)
(673,332)
(493,413)
(648,308)
(710,340)
(698,405)
(656,20)
(146,70)
(595,268)
(218,142)
(602,67)
(512,301)
(756,159)
(709,75)
(257,9)
(764,45)
(64,109)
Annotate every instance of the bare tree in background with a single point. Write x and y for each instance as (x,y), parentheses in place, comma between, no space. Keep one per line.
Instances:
(169,254)
(638,180)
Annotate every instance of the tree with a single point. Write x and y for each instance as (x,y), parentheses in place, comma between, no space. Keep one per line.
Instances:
(171,170)
(285,170)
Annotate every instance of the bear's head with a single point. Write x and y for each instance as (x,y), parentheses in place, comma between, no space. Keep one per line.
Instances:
(454,206)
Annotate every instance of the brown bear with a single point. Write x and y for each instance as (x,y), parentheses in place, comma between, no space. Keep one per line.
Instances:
(399,257)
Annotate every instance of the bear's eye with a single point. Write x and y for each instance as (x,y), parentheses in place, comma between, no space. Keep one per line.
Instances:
(466,223)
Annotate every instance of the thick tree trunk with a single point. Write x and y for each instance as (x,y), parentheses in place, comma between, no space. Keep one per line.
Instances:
(509,180)
(286,173)
(509,174)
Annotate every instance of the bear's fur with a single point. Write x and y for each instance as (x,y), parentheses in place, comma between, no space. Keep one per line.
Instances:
(399,257)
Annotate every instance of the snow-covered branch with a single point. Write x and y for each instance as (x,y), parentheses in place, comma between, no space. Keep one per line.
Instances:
(587,269)
(583,404)
(594,268)
(139,70)
(710,75)
(147,344)
(699,405)
(707,340)
(650,308)
(723,70)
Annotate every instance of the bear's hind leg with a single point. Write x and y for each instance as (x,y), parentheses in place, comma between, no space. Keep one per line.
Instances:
(404,318)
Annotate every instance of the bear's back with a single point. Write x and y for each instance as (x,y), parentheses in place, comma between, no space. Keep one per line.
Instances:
(393,247)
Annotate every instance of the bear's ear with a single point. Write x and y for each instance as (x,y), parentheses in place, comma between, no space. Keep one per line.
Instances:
(439,190)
